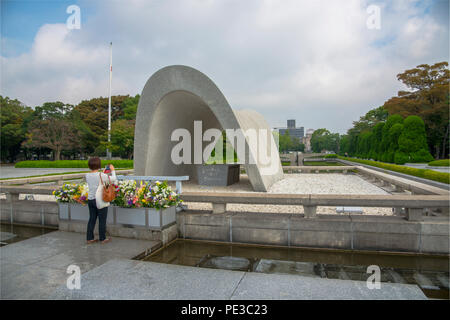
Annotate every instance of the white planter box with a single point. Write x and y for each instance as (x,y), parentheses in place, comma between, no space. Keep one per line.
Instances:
(63,210)
(134,217)
(161,218)
(131,216)
(146,217)
(79,212)
(169,216)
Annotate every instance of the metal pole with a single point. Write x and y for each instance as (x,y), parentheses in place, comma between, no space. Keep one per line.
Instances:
(108,152)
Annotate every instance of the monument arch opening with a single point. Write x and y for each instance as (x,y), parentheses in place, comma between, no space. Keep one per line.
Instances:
(175,97)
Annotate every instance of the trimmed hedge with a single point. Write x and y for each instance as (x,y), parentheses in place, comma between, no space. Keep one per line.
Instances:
(71,164)
(331,156)
(440,163)
(421,173)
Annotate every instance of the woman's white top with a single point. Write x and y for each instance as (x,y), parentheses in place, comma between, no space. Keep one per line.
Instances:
(93,180)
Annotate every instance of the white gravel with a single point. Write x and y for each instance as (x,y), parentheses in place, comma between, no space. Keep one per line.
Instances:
(329,183)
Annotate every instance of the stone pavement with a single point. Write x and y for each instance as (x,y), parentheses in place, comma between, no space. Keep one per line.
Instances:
(131,279)
(36,269)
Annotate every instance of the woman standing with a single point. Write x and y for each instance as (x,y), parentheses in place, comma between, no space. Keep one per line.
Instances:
(93,180)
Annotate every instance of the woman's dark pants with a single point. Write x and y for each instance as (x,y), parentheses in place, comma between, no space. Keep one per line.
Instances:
(102,214)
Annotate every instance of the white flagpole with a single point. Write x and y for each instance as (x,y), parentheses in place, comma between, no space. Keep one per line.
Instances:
(108,153)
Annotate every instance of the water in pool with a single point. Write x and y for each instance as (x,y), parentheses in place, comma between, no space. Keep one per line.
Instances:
(430,272)
(10,233)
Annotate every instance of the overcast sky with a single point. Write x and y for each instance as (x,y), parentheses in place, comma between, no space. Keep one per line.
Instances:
(314,61)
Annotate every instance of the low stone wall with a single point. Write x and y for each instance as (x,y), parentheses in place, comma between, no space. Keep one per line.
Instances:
(42,213)
(325,231)
(45,213)
(141,233)
(413,233)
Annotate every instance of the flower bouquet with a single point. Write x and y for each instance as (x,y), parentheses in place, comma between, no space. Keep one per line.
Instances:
(71,192)
(128,194)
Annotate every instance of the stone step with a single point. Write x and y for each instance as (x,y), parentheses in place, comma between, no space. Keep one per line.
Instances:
(397,278)
(424,282)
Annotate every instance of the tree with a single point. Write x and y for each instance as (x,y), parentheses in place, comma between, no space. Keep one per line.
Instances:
(377,136)
(122,138)
(428,98)
(130,106)
(52,111)
(94,113)
(14,123)
(322,139)
(386,154)
(88,140)
(285,142)
(56,135)
(412,141)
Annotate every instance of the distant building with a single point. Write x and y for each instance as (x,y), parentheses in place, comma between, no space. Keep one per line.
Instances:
(307,140)
(292,129)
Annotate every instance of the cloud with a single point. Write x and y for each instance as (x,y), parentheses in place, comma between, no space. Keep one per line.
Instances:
(315,61)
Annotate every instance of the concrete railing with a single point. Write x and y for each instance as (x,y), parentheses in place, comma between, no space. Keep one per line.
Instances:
(178,179)
(401,184)
(414,204)
(354,232)
(58,178)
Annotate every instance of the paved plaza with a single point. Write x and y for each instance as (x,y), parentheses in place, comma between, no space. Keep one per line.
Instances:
(36,269)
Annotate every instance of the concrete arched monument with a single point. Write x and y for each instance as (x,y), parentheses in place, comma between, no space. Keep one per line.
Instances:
(180,98)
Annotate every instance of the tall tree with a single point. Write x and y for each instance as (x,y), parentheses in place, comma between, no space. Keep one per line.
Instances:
(56,135)
(386,154)
(412,141)
(130,106)
(94,113)
(14,117)
(322,139)
(122,138)
(428,98)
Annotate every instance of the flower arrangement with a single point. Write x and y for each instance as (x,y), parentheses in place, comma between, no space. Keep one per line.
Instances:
(128,194)
(159,196)
(71,192)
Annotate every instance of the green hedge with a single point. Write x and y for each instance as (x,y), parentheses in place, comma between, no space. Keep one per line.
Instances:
(440,163)
(421,173)
(71,164)
(331,156)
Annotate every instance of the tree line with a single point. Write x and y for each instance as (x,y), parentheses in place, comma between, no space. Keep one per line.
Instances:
(287,143)
(410,127)
(67,130)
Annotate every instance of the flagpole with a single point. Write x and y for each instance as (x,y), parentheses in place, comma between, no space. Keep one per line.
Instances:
(108,153)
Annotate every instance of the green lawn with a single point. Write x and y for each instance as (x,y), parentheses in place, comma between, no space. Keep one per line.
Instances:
(440,163)
(50,174)
(126,164)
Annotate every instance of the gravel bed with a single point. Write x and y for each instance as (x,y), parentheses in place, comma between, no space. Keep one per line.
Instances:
(304,183)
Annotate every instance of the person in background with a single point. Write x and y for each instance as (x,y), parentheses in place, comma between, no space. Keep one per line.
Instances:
(93,180)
